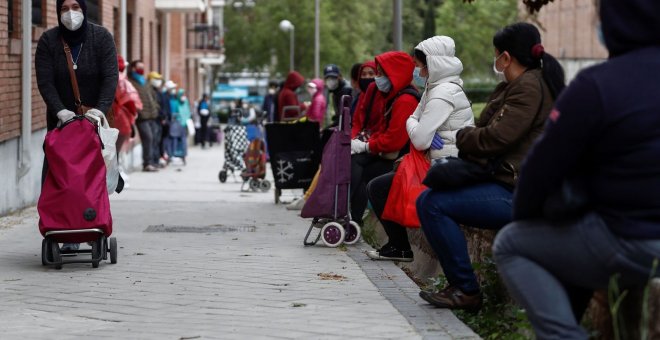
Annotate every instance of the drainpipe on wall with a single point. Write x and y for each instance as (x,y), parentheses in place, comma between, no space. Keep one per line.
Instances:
(26,91)
(166,46)
(123,50)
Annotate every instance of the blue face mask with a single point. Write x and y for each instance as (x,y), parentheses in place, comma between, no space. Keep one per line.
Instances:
(139,78)
(599,33)
(384,84)
(419,80)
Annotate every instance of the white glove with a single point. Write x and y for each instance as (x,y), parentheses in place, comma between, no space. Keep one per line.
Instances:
(65,115)
(96,113)
(358,146)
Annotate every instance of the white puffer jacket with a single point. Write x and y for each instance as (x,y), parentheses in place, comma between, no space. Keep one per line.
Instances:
(444,107)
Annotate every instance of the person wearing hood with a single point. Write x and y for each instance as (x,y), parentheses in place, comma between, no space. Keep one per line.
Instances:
(288,97)
(94,60)
(508,126)
(369,111)
(586,207)
(443,110)
(375,156)
(316,111)
(337,88)
(180,118)
(147,121)
(125,107)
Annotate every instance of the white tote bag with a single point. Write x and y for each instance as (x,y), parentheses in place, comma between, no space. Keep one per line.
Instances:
(109,139)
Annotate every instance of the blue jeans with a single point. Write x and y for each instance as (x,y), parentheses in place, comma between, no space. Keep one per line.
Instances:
(537,259)
(486,205)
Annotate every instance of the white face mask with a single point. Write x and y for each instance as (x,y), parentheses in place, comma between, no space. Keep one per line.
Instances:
(499,74)
(332,83)
(156,82)
(72,20)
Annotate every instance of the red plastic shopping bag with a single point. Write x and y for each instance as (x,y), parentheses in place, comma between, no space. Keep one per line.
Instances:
(406,187)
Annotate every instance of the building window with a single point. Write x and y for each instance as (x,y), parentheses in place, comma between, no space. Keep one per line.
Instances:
(37,13)
(152,56)
(10,12)
(93,12)
(142,39)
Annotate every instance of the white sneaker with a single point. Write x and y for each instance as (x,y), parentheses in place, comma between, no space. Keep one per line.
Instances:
(297,204)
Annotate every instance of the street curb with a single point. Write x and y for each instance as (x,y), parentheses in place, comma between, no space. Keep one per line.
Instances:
(403,294)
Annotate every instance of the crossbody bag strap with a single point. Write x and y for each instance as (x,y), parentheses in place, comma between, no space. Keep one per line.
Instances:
(74,79)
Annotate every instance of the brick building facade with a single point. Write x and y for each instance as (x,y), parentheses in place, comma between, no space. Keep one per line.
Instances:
(21,157)
(568,30)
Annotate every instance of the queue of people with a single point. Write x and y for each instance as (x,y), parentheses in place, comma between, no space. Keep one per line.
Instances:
(537,163)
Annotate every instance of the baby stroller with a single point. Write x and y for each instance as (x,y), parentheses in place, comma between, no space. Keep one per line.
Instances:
(74,206)
(236,143)
(255,167)
(328,205)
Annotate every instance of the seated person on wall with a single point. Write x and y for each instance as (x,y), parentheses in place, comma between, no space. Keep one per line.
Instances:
(375,156)
(508,126)
(611,223)
(443,110)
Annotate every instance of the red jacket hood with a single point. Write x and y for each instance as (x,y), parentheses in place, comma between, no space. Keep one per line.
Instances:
(398,67)
(319,86)
(294,80)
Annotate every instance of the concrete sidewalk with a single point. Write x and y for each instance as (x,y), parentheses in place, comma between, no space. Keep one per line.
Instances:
(244,275)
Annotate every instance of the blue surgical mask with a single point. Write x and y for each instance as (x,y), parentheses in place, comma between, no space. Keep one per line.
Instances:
(139,78)
(419,80)
(384,84)
(599,33)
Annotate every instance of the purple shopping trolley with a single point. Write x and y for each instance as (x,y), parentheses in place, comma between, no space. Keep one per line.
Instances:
(328,204)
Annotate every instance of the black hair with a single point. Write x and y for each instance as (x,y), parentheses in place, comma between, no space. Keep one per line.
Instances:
(523,41)
(420,56)
(355,71)
(132,64)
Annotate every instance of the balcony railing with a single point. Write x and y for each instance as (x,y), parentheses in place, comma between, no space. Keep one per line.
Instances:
(204,37)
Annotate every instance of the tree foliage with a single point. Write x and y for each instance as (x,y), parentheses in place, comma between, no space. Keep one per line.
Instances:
(355,31)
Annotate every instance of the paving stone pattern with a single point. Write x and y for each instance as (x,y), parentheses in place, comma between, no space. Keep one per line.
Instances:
(243,275)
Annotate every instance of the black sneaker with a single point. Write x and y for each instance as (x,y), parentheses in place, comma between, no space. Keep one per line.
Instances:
(390,253)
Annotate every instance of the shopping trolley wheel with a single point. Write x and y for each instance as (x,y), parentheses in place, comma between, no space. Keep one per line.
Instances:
(332,234)
(264,185)
(44,252)
(95,253)
(113,250)
(353,232)
(254,184)
(222,176)
(55,253)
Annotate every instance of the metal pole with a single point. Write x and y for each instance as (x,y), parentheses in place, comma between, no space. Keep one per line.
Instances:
(26,90)
(317,39)
(291,65)
(397,26)
(123,48)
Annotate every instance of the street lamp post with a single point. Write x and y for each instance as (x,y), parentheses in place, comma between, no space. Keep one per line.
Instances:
(286,25)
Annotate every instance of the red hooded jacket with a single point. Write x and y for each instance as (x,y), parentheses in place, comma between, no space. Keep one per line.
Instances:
(392,135)
(288,95)
(370,96)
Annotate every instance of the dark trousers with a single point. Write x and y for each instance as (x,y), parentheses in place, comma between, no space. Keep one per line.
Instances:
(204,130)
(364,168)
(538,259)
(157,129)
(486,205)
(147,133)
(378,190)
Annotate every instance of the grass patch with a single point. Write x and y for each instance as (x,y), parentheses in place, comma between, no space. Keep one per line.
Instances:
(499,318)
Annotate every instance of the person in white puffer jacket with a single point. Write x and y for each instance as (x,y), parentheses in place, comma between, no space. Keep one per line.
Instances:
(442,111)
(444,108)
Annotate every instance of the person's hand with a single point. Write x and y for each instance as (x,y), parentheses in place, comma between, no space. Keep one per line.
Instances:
(96,113)
(437,143)
(358,146)
(65,115)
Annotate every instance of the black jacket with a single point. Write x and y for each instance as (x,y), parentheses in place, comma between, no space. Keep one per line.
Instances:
(97,72)
(604,134)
